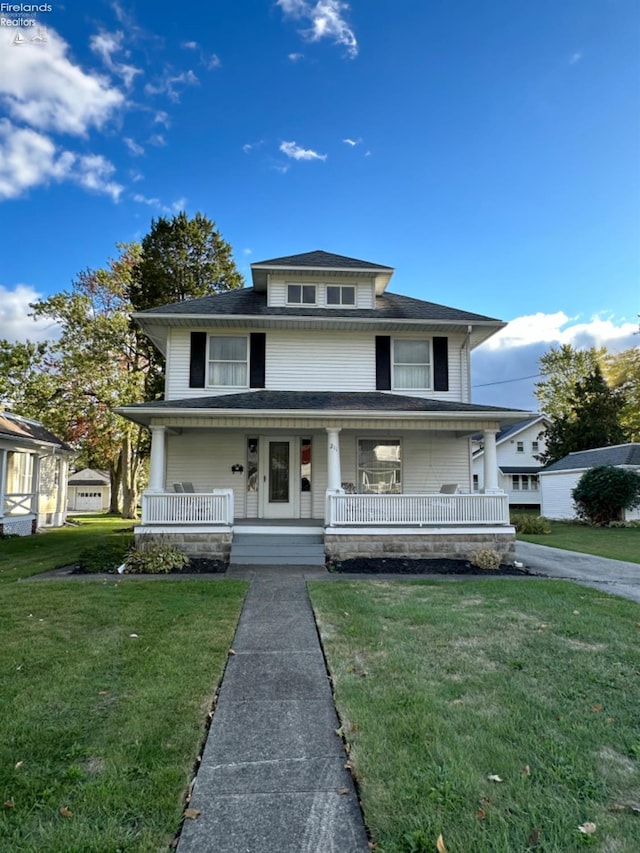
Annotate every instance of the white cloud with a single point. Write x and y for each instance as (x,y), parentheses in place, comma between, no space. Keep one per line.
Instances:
(44,89)
(352,142)
(210,62)
(30,159)
(291,149)
(189,45)
(175,206)
(172,85)
(106,44)
(158,140)
(296,57)
(15,322)
(506,367)
(132,145)
(326,20)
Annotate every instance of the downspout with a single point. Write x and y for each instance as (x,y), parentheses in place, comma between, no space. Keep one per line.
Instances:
(465,345)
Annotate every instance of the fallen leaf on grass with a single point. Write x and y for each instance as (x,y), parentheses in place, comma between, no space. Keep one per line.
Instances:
(134,636)
(343,791)
(596,708)
(66,812)
(9,804)
(192,814)
(587,828)
(493,777)
(534,837)
(481,814)
(526,770)
(18,765)
(232,651)
(440,847)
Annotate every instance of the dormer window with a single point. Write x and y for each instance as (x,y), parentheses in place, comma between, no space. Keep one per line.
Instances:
(301,294)
(341,294)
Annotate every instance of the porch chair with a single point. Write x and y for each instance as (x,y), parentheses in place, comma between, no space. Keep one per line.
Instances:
(450,489)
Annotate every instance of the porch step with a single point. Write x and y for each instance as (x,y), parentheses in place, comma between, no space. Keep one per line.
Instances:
(270,549)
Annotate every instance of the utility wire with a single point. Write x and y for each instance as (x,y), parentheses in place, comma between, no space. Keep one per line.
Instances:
(505,381)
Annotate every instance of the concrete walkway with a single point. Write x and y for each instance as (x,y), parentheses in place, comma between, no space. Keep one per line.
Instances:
(273,777)
(614,576)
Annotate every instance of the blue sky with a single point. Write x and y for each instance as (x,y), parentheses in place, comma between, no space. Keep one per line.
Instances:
(487,151)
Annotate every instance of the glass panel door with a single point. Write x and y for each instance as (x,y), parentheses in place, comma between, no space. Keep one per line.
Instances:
(278,472)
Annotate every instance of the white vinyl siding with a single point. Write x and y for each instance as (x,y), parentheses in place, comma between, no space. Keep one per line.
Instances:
(555,491)
(308,360)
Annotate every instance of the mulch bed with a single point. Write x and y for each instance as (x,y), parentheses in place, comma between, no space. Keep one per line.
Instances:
(398,565)
(195,566)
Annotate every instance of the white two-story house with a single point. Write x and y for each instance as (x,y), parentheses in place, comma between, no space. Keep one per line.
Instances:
(317,399)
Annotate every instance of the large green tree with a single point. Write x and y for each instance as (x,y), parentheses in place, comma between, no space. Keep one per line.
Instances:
(561,369)
(622,371)
(181,258)
(94,366)
(592,420)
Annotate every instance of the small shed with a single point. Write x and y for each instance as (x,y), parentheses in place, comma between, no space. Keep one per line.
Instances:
(559,479)
(89,490)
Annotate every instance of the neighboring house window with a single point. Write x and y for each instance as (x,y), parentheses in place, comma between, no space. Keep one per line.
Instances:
(515,482)
(535,483)
(19,472)
(379,466)
(476,484)
(301,294)
(534,446)
(411,365)
(228,361)
(341,294)
(519,446)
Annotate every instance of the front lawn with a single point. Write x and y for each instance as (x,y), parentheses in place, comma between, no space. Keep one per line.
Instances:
(106,688)
(618,543)
(22,556)
(502,715)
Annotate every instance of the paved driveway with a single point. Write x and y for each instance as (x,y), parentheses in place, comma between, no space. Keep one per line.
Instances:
(612,576)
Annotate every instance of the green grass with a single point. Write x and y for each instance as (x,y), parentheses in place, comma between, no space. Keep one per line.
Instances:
(102,722)
(618,543)
(441,685)
(23,556)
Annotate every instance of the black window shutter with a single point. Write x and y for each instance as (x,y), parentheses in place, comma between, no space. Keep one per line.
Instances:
(256,360)
(383,363)
(440,364)
(197,359)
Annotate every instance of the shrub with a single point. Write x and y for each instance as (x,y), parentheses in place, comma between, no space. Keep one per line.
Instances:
(604,492)
(106,556)
(155,558)
(485,558)
(531,524)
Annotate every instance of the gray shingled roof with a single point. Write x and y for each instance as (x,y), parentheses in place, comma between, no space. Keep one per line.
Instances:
(520,469)
(619,454)
(16,427)
(247,301)
(318,258)
(368,401)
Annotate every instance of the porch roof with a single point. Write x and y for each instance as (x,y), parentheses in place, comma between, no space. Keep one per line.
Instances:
(325,403)
(24,430)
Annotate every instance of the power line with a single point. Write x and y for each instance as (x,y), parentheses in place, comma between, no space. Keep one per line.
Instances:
(505,381)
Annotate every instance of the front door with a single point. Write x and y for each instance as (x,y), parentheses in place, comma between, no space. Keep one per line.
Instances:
(278,482)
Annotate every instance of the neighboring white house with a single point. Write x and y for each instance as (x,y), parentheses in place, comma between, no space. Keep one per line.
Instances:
(559,479)
(318,395)
(518,449)
(89,490)
(33,476)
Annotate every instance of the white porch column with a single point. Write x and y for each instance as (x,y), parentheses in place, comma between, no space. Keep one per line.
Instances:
(334,476)
(35,487)
(157,464)
(3,480)
(490,462)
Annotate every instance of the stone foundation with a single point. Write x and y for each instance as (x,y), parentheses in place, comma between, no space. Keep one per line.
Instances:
(419,545)
(214,546)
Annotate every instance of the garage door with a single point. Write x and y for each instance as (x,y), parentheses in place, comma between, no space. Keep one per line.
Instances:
(86,500)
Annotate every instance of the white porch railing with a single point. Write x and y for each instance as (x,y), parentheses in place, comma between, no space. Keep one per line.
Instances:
(417,510)
(17,504)
(201,508)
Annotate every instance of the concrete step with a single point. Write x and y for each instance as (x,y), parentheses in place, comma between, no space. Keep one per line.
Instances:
(274,549)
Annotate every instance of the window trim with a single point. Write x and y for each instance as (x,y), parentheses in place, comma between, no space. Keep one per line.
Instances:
(210,361)
(429,364)
(302,303)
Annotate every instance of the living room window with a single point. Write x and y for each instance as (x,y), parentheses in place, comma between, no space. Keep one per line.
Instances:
(338,295)
(228,361)
(301,294)
(411,364)
(379,466)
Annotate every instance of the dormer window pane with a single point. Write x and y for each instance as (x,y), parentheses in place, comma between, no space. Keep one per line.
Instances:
(228,361)
(301,294)
(337,295)
(411,365)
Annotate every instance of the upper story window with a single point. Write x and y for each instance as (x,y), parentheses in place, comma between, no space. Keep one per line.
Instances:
(519,446)
(338,294)
(411,365)
(228,361)
(534,446)
(301,294)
